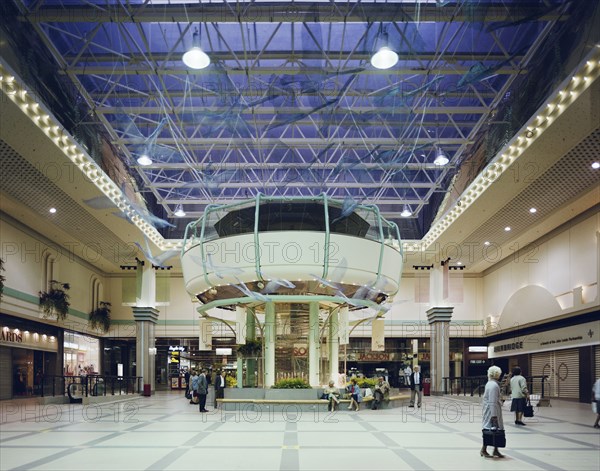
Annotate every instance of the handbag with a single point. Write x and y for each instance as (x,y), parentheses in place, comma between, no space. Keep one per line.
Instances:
(528,409)
(494,437)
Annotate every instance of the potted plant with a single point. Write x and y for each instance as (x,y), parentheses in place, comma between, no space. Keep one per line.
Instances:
(100,317)
(251,349)
(2,278)
(55,301)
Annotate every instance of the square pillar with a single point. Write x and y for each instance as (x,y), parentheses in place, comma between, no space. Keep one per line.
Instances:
(145,321)
(439,320)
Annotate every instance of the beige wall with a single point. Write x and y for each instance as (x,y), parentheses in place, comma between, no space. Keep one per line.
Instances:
(544,275)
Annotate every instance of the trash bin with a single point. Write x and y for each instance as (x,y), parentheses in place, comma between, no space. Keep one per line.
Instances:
(427,387)
(147,390)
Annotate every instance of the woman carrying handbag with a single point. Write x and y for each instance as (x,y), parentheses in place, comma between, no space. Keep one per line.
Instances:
(492,423)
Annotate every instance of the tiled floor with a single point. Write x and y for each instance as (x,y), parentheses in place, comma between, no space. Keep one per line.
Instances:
(166,432)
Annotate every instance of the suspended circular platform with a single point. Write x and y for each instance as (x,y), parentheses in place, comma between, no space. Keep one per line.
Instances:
(283,250)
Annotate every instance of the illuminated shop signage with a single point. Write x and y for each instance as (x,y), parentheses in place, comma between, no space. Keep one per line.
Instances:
(8,336)
(25,339)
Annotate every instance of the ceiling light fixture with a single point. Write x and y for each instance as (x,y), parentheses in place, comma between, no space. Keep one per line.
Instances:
(441,158)
(385,57)
(406,212)
(596,165)
(179,212)
(144,159)
(195,57)
(52,210)
(507,228)
(532,210)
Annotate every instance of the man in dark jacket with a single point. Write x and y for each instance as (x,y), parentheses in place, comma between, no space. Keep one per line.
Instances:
(416,387)
(202,390)
(220,385)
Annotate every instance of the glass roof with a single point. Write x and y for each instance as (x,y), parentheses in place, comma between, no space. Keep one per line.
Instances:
(291,105)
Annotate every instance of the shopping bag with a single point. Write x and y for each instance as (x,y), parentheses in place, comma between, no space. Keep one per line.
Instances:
(494,437)
(528,410)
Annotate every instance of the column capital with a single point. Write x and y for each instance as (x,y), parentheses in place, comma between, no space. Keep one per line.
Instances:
(145,314)
(439,314)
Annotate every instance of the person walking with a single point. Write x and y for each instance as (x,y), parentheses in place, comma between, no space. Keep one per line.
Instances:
(491,412)
(519,394)
(194,398)
(596,391)
(202,390)
(416,387)
(186,377)
(220,385)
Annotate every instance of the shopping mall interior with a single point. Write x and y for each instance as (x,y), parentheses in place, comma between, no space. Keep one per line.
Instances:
(294,193)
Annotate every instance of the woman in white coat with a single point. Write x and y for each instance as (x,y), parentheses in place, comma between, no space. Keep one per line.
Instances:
(492,408)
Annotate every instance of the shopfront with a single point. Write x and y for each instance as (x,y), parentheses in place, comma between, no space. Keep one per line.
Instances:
(564,356)
(28,350)
(81,354)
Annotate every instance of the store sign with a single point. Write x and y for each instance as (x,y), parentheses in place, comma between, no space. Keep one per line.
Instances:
(8,336)
(300,350)
(24,339)
(557,339)
(373,356)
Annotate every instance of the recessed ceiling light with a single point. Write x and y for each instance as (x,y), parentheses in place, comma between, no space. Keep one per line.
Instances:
(459,263)
(507,228)
(596,165)
(52,210)
(532,210)
(486,242)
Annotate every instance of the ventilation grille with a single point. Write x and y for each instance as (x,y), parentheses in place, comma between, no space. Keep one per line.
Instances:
(38,191)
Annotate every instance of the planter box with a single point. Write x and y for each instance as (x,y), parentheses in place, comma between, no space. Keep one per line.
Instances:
(291,394)
(244,393)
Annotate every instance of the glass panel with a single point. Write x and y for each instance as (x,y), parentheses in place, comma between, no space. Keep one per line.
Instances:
(81,355)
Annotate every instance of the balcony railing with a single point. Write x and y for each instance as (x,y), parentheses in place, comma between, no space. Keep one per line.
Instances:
(474,385)
(91,385)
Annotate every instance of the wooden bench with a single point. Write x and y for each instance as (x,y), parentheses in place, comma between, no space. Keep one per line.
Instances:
(306,402)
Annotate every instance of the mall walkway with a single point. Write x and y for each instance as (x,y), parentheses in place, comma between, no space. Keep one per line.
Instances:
(166,432)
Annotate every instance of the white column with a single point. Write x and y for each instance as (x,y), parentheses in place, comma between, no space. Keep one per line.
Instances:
(334,346)
(145,316)
(313,345)
(269,345)
(439,319)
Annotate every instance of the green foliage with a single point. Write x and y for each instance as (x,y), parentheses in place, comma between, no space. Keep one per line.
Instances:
(291,383)
(251,349)
(365,382)
(55,301)
(100,317)
(2,278)
(231,381)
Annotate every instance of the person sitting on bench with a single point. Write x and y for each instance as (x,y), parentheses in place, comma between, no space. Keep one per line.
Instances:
(381,393)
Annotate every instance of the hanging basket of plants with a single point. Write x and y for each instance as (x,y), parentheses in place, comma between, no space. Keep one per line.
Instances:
(100,317)
(251,349)
(55,301)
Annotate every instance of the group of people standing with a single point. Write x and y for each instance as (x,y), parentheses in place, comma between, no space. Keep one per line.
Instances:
(197,388)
